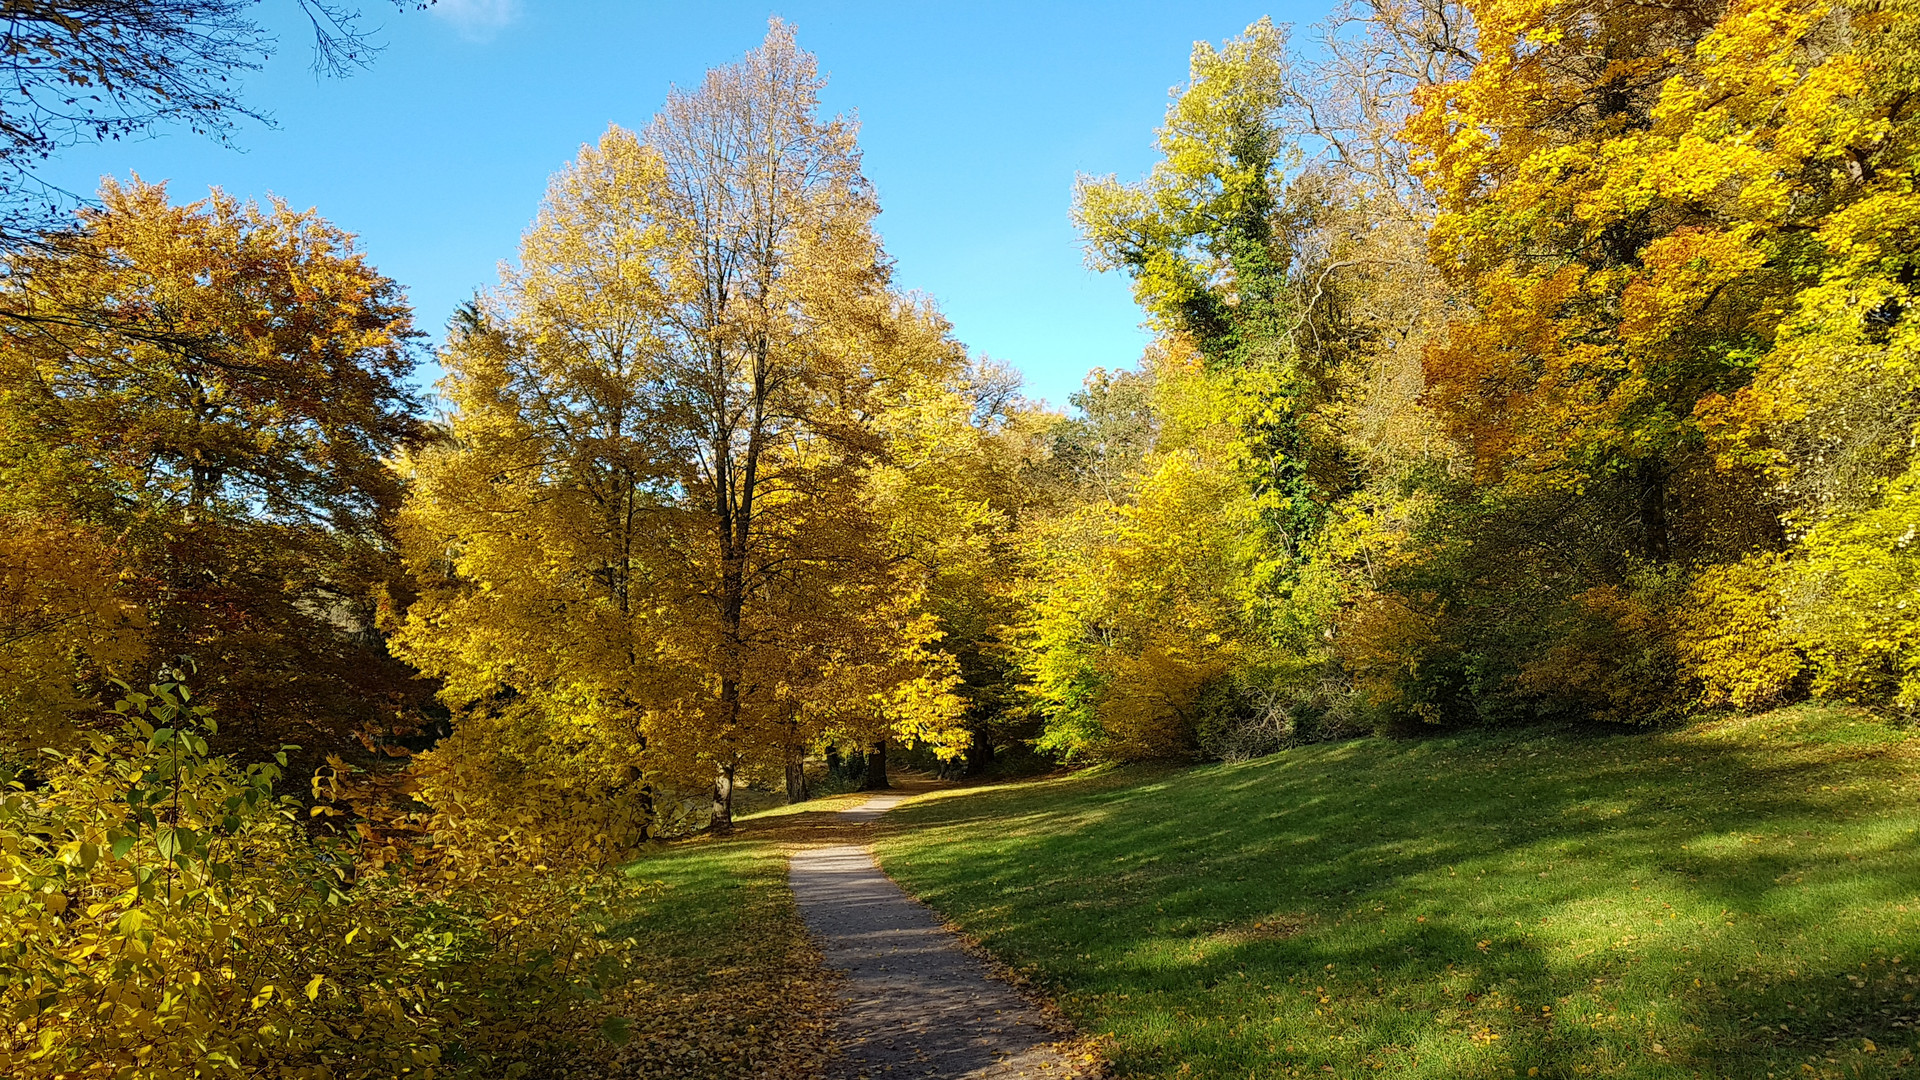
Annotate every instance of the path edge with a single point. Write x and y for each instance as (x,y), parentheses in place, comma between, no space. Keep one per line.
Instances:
(1090,1054)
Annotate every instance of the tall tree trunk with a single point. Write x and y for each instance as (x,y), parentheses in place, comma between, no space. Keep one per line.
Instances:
(1652,481)
(729,723)
(735,521)
(796,774)
(877,767)
(722,822)
(979,752)
(643,795)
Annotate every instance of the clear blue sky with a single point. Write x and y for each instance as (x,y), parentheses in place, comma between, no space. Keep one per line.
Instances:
(974,119)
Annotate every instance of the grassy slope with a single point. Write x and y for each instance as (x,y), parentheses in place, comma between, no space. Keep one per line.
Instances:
(1737,899)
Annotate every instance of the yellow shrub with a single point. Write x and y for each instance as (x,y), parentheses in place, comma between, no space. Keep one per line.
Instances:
(1856,598)
(1150,707)
(525,786)
(163,917)
(1731,641)
(62,618)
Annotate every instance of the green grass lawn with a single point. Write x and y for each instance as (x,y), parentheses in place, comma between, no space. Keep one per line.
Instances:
(1739,899)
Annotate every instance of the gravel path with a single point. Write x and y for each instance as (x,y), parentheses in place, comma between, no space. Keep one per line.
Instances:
(915,1004)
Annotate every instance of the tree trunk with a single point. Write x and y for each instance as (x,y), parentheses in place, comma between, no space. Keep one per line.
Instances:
(646,809)
(979,753)
(796,775)
(877,767)
(722,822)
(1653,510)
(643,794)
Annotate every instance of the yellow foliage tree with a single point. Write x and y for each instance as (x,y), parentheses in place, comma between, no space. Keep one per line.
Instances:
(164,916)
(1685,238)
(1145,599)
(652,520)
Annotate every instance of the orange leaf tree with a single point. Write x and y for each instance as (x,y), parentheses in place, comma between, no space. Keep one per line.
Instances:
(212,389)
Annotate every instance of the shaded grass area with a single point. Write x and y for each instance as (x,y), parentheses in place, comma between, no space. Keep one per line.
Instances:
(1738,899)
(724,983)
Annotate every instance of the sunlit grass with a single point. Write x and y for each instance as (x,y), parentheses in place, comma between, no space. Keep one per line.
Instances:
(775,806)
(1737,899)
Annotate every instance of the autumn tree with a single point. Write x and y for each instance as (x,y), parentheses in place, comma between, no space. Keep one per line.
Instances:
(1833,408)
(1205,238)
(1280,243)
(655,507)
(1280,237)
(1645,208)
(1144,584)
(964,476)
(222,441)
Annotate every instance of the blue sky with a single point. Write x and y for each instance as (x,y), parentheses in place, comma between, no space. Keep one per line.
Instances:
(975,118)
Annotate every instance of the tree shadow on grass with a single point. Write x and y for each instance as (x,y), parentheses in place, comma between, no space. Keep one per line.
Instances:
(1689,893)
